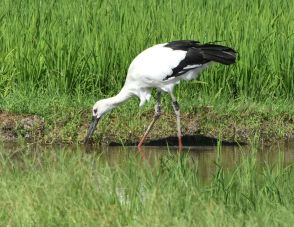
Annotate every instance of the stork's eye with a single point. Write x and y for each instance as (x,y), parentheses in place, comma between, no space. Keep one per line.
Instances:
(95,111)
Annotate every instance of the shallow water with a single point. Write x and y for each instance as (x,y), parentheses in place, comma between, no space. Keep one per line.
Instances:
(204,156)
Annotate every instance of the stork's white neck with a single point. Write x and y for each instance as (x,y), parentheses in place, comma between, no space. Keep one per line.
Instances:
(118,99)
(121,97)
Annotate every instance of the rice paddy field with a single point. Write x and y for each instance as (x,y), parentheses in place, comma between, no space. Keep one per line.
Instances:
(57,54)
(58,57)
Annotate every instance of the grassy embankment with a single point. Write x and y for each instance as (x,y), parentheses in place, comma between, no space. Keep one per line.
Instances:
(66,188)
(57,58)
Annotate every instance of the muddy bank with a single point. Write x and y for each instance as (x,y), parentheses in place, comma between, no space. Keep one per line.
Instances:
(203,128)
(17,126)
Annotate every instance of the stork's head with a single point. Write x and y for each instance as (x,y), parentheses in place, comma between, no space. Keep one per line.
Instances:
(103,106)
(99,109)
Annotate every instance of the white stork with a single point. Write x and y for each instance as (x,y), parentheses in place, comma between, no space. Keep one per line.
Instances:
(162,67)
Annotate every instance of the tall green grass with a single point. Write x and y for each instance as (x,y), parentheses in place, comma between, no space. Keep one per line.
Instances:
(83,48)
(66,188)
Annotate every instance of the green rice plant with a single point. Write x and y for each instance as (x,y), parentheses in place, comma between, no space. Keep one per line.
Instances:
(85,47)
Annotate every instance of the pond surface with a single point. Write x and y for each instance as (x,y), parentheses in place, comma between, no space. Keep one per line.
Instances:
(204,156)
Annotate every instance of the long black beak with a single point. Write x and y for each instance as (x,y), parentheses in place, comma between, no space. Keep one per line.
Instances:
(91,129)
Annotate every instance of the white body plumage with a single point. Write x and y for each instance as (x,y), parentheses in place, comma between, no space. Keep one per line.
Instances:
(149,69)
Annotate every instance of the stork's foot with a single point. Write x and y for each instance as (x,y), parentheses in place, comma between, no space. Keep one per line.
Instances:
(140,144)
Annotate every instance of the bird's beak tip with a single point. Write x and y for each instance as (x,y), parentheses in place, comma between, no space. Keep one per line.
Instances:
(91,129)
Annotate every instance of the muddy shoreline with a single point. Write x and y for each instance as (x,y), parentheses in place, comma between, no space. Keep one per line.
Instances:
(203,128)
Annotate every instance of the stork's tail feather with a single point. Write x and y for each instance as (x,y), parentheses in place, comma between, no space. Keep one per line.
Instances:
(221,54)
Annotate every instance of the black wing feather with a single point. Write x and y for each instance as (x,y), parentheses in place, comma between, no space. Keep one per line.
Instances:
(199,54)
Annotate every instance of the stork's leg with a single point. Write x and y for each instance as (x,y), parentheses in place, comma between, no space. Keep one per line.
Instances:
(176,107)
(155,117)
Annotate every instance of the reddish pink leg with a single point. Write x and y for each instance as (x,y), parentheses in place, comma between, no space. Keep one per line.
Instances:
(180,144)
(177,112)
(156,116)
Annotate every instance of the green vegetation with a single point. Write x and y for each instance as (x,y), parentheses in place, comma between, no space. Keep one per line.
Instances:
(58,57)
(68,188)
